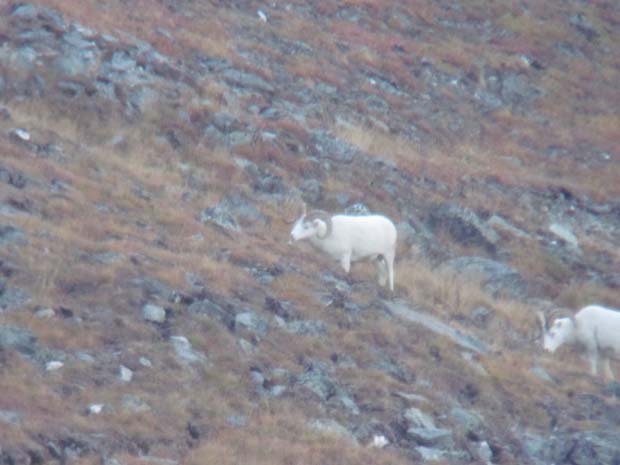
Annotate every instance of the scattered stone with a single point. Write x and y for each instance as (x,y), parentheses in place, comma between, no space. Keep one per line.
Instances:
(251,322)
(125,374)
(145,362)
(464,226)
(154,313)
(465,340)
(315,328)
(11,417)
(10,234)
(45,313)
(12,298)
(20,339)
(379,441)
(21,134)
(185,353)
(496,278)
(237,421)
(95,409)
(423,430)
(485,452)
(564,233)
(53,365)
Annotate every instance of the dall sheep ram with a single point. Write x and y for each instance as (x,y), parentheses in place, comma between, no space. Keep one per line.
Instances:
(348,238)
(594,327)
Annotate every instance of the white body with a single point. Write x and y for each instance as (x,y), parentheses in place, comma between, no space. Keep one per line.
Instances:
(353,238)
(594,327)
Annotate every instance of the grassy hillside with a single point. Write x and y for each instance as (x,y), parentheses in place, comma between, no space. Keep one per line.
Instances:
(151,152)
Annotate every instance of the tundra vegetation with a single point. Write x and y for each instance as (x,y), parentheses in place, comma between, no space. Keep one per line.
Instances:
(151,310)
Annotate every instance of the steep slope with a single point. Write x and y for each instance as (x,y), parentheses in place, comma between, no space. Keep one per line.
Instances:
(151,310)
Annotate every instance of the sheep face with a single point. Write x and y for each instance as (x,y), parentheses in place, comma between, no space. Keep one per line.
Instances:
(305,228)
(562,331)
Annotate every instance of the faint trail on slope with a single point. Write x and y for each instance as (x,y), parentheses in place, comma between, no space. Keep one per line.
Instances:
(467,341)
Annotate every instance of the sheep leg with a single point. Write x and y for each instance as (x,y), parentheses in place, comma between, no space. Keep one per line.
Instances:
(608,372)
(389,265)
(593,357)
(381,270)
(345,261)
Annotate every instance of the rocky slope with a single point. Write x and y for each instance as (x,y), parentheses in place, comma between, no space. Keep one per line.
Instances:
(150,308)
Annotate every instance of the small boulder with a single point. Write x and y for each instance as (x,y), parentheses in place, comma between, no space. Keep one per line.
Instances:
(154,313)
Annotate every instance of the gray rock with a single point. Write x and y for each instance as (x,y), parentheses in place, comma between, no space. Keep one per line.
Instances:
(19,339)
(25,11)
(11,417)
(357,209)
(431,454)
(185,353)
(76,62)
(317,379)
(517,89)
(463,225)
(232,213)
(326,146)
(496,278)
(565,233)
(12,298)
(154,313)
(423,430)
(312,190)
(428,321)
(593,447)
(10,234)
(45,313)
(12,177)
(277,390)
(467,421)
(152,288)
(307,327)
(247,80)
(251,322)
(125,374)
(237,421)
(211,309)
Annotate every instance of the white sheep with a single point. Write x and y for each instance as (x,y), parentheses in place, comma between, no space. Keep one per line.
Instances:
(595,327)
(348,238)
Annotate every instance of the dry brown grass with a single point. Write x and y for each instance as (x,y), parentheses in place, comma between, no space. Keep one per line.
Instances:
(282,436)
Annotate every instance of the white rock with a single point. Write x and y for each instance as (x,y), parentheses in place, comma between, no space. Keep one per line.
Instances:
(145,362)
(261,14)
(53,365)
(485,452)
(154,313)
(564,233)
(379,441)
(45,313)
(95,409)
(125,374)
(22,133)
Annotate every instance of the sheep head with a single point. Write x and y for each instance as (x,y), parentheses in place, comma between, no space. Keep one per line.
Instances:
(562,331)
(317,223)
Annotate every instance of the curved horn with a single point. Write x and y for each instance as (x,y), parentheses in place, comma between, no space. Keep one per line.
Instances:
(323,216)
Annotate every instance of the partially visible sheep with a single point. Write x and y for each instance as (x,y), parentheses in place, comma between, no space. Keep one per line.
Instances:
(349,238)
(595,327)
